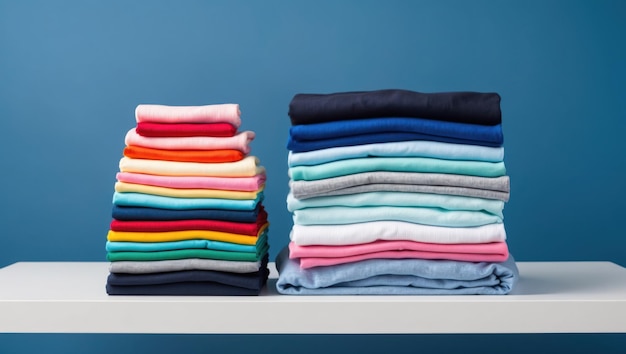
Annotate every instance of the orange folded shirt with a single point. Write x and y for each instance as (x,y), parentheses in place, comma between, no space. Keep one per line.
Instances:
(208,156)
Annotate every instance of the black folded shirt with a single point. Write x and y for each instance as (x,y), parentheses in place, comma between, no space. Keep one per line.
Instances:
(463,107)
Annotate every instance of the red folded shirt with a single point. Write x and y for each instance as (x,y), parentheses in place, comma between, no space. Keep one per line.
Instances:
(185,129)
(251,229)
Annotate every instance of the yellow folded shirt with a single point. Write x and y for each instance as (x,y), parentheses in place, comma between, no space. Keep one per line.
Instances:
(247,167)
(123,236)
(124,187)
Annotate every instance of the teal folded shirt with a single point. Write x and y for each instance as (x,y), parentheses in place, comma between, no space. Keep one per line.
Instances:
(189,253)
(186,244)
(157,201)
(396,164)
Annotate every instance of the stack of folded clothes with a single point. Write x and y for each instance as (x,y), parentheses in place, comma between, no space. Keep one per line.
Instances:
(187,212)
(396,192)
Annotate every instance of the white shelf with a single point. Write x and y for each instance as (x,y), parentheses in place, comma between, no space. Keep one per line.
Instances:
(551,297)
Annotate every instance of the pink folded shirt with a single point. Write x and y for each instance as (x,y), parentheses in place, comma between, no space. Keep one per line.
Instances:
(320,255)
(247,184)
(239,142)
(215,113)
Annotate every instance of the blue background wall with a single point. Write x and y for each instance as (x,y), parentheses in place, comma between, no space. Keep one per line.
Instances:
(72,72)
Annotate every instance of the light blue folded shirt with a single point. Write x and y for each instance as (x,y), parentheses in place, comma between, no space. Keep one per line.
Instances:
(399,199)
(157,201)
(397,277)
(424,216)
(396,164)
(420,148)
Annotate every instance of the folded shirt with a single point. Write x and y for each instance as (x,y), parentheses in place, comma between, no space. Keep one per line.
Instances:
(239,142)
(396,164)
(402,181)
(182,289)
(399,199)
(344,128)
(419,148)
(214,113)
(147,267)
(254,280)
(425,216)
(158,214)
(156,201)
(152,129)
(375,138)
(251,229)
(397,277)
(247,167)
(180,245)
(408,188)
(322,256)
(168,236)
(206,156)
(124,187)
(188,253)
(371,231)
(463,107)
(249,184)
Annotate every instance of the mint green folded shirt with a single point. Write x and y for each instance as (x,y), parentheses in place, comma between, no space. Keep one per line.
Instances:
(397,164)
(425,216)
(189,253)
(399,199)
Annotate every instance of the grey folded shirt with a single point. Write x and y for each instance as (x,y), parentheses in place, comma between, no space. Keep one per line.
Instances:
(437,183)
(141,267)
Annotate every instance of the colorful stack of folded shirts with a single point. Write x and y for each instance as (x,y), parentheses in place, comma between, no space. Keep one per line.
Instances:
(396,192)
(187,213)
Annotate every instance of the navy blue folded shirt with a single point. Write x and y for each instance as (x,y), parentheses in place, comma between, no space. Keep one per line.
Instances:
(462,107)
(144,213)
(189,282)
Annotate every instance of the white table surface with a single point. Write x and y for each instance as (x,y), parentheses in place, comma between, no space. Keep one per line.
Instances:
(551,297)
